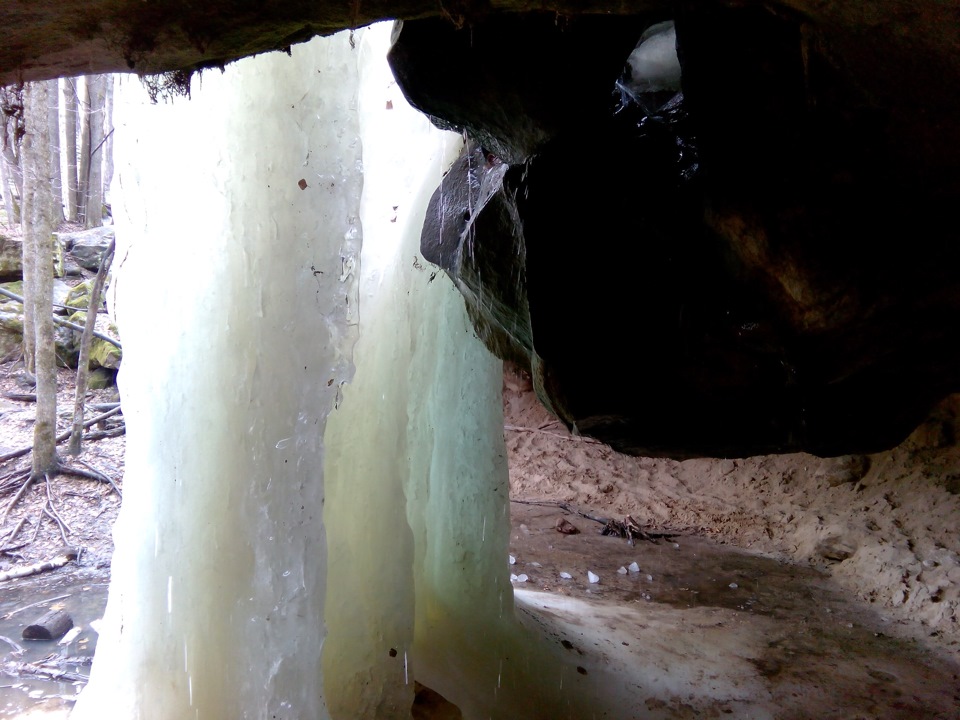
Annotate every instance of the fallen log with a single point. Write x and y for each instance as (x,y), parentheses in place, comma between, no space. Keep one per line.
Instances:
(58,562)
(52,625)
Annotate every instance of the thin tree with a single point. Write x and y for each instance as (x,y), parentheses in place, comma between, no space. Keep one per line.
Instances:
(70,146)
(53,114)
(108,128)
(86,341)
(11,132)
(38,290)
(91,141)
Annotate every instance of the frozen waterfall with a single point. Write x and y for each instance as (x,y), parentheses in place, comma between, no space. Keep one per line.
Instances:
(278,501)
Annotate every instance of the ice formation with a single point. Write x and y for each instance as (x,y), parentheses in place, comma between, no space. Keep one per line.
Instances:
(654,63)
(236,298)
(281,504)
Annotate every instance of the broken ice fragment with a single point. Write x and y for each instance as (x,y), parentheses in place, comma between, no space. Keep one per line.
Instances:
(513,577)
(733,586)
(649,578)
(566,576)
(513,560)
(592,577)
(622,570)
(522,577)
(536,564)
(633,567)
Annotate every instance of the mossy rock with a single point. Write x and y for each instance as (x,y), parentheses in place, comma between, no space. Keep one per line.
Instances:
(101,379)
(102,353)
(11,334)
(79,296)
(11,258)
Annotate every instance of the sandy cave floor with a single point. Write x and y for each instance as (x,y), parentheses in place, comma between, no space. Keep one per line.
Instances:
(829,596)
(802,633)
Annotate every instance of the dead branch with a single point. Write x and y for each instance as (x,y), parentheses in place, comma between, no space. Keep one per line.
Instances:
(17,648)
(10,614)
(628,528)
(16,498)
(65,323)
(13,479)
(61,437)
(21,397)
(11,536)
(581,438)
(14,296)
(101,434)
(58,562)
(563,506)
(19,669)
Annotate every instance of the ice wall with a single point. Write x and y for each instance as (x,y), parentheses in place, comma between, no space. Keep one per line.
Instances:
(237,293)
(236,301)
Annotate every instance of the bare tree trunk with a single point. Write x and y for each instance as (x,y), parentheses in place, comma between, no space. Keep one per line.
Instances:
(86,340)
(91,159)
(108,137)
(38,236)
(29,283)
(11,130)
(70,144)
(83,154)
(6,188)
(53,113)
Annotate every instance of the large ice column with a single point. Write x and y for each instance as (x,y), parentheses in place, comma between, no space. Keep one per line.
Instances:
(236,301)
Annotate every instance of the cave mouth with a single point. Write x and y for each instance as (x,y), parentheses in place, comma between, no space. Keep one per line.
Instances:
(737,202)
(414,463)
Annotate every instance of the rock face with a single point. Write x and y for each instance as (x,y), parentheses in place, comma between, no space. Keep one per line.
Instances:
(764,265)
(758,267)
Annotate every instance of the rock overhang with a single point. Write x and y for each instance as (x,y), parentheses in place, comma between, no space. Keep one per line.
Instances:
(799,293)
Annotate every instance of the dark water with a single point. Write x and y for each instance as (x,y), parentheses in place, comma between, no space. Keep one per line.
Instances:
(83,595)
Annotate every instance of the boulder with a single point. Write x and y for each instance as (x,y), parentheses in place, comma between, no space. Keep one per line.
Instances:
(11,258)
(88,246)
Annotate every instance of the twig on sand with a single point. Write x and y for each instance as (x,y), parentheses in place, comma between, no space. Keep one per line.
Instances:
(581,438)
(627,528)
